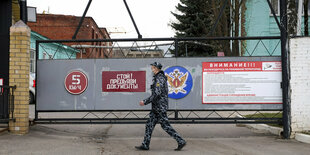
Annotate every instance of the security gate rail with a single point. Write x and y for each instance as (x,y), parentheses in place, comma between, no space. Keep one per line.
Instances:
(90,49)
(240,116)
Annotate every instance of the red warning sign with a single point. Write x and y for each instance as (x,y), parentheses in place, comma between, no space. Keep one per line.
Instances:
(123,81)
(76,82)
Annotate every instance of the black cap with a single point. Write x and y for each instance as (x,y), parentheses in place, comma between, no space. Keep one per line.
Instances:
(157,65)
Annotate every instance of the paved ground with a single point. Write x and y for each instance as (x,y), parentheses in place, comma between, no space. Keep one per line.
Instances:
(121,139)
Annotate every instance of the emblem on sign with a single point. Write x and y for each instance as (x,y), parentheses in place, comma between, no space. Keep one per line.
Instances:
(76,82)
(179,82)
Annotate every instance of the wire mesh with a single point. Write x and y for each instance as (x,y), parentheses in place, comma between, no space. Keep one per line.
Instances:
(159,48)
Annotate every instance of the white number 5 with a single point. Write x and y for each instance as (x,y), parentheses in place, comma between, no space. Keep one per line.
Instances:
(75,79)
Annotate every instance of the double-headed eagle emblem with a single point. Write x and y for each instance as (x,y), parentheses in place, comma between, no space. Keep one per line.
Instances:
(177,81)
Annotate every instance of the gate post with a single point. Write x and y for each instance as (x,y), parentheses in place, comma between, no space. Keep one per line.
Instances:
(19,76)
(285,71)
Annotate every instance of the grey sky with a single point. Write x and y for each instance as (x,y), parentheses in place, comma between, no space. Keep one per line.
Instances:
(152,16)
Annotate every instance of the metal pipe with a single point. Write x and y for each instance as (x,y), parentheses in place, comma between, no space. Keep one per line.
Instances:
(6,22)
(36,70)
(285,71)
(164,39)
(274,14)
(12,103)
(51,121)
(186,50)
(175,118)
(23,11)
(133,21)
(176,47)
(176,114)
(2,95)
(117,47)
(180,110)
(82,19)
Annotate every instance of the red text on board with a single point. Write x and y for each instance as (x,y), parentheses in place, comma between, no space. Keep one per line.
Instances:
(123,81)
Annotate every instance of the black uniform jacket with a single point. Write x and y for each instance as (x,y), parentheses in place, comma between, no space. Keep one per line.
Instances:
(159,97)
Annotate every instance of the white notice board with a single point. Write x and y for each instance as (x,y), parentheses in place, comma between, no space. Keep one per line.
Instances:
(256,82)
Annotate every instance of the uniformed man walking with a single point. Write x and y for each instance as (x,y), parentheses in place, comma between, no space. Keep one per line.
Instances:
(159,100)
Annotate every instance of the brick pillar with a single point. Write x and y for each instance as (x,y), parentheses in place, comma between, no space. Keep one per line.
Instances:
(19,76)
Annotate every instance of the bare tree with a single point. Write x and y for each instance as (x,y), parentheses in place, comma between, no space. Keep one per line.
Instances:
(292,17)
(236,6)
(223,27)
(229,24)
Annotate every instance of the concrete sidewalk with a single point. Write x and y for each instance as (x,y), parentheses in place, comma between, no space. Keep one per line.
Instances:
(305,138)
(121,139)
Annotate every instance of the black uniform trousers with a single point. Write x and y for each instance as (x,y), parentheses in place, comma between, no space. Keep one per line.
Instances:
(162,118)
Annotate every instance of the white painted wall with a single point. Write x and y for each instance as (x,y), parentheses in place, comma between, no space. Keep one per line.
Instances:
(300,83)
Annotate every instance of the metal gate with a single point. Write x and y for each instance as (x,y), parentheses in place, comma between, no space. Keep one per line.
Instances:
(6,103)
(143,48)
(143,51)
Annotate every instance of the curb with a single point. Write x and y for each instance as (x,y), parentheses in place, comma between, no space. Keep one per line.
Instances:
(277,131)
(302,138)
(273,130)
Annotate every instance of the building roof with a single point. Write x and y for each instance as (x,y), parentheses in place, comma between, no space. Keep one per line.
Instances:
(38,36)
(59,20)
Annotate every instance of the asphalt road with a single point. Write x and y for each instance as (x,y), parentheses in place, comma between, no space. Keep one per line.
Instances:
(121,139)
(108,139)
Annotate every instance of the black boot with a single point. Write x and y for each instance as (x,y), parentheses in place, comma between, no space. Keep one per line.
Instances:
(180,146)
(141,148)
